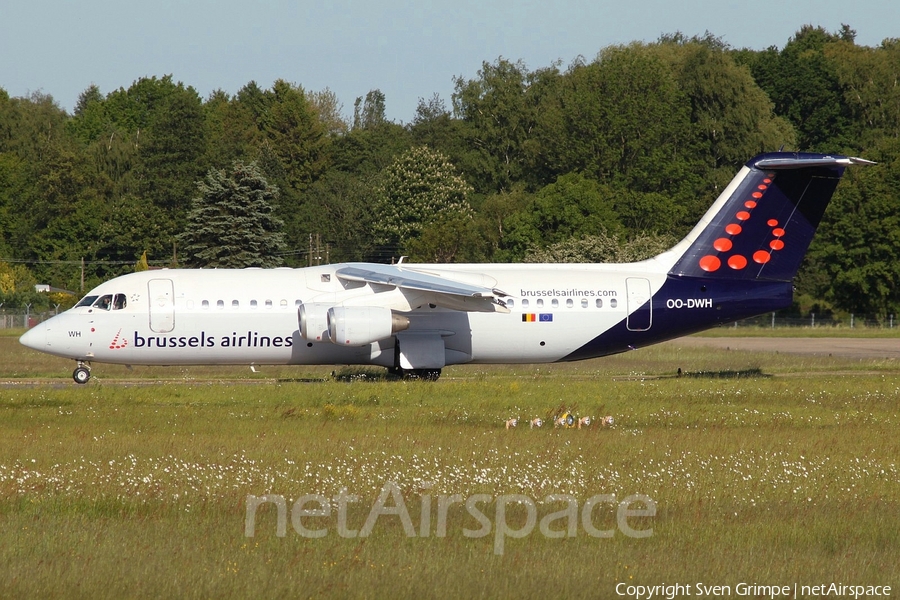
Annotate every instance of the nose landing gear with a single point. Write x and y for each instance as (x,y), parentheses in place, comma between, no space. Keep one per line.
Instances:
(82,372)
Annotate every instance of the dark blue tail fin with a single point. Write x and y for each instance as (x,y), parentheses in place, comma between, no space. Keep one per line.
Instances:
(763,223)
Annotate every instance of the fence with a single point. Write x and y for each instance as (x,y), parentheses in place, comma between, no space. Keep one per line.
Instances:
(10,320)
(852,321)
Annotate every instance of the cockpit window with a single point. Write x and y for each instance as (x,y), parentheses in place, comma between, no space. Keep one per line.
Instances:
(86,301)
(104,302)
(119,302)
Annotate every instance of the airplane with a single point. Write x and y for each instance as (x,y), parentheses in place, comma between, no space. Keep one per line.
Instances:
(415,319)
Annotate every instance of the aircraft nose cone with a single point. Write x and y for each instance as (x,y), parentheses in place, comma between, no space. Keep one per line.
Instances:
(35,338)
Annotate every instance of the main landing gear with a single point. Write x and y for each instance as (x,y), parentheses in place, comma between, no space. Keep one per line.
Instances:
(420,374)
(423,374)
(82,372)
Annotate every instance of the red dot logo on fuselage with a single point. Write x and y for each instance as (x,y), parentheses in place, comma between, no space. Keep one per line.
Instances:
(118,342)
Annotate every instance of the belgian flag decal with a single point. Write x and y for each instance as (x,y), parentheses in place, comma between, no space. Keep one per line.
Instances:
(537,318)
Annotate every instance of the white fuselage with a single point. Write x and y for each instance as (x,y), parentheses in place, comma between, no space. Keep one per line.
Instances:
(249,316)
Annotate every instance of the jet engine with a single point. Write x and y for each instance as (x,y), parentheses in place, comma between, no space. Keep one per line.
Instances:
(314,321)
(361,325)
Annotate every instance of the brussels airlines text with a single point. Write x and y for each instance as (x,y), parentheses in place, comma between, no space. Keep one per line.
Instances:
(252,339)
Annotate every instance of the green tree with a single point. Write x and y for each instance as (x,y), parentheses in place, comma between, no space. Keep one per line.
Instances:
(804,86)
(731,115)
(853,260)
(296,136)
(572,206)
(499,110)
(173,151)
(602,248)
(434,126)
(653,212)
(339,208)
(156,144)
(15,278)
(17,288)
(14,181)
(493,222)
(233,132)
(419,188)
(142,264)
(89,123)
(327,106)
(294,153)
(620,120)
(369,113)
(448,239)
(232,223)
(868,77)
(367,152)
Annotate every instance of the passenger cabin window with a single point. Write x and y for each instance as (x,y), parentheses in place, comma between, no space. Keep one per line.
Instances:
(511,303)
(268,304)
(205,305)
(584,303)
(540,302)
(220,304)
(569,303)
(525,303)
(613,303)
(235,304)
(283,304)
(253,304)
(554,303)
(599,303)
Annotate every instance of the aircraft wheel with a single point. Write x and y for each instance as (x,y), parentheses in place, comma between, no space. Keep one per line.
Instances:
(423,374)
(81,375)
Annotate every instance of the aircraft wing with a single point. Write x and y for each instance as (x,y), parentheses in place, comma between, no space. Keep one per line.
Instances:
(455,294)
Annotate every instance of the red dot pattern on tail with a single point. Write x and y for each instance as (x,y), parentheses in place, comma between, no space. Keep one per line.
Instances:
(711,263)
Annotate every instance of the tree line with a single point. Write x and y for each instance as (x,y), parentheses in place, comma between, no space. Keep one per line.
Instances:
(605,159)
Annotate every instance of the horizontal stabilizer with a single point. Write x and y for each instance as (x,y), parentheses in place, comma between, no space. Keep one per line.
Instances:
(800,163)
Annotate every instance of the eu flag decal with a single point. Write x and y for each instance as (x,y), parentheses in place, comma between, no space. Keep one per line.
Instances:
(535,318)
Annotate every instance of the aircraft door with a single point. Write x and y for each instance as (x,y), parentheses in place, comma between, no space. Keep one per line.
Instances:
(162,305)
(640,305)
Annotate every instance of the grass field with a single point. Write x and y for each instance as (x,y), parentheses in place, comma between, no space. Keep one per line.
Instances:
(137,484)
